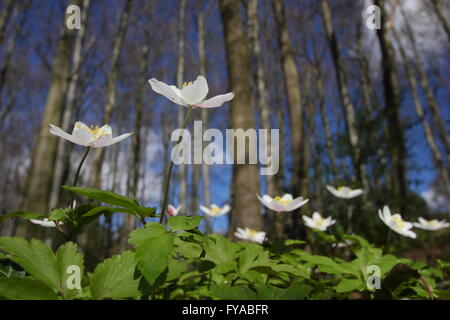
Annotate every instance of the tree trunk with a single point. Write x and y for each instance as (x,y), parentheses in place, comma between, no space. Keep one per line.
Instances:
(349,109)
(70,102)
(4,17)
(44,154)
(135,159)
(439,13)
(392,111)
(437,156)
(429,95)
(261,87)
(371,104)
(293,92)
(5,110)
(204,117)
(180,80)
(111,92)
(245,184)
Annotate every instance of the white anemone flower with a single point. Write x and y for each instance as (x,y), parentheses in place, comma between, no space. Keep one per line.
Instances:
(250,234)
(345,192)
(285,203)
(216,211)
(89,136)
(173,211)
(191,94)
(431,225)
(317,222)
(396,223)
(44,223)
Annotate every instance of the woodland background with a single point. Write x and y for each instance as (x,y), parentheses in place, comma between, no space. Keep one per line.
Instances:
(359,107)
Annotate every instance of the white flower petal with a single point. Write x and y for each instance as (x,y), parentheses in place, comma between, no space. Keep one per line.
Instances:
(118,139)
(44,223)
(164,89)
(295,204)
(102,141)
(62,134)
(194,93)
(216,101)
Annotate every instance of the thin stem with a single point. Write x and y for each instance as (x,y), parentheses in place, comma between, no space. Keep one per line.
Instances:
(78,172)
(169,174)
(349,218)
(427,287)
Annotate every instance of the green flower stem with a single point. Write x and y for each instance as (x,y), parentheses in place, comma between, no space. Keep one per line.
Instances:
(78,171)
(169,174)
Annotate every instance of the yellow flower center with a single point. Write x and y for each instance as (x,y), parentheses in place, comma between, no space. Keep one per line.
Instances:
(252,233)
(341,188)
(399,222)
(215,209)
(280,201)
(187,84)
(96,131)
(319,222)
(432,223)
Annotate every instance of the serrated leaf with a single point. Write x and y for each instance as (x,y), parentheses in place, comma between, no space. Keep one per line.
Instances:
(299,271)
(154,246)
(347,285)
(296,291)
(178,223)
(37,259)
(25,289)
(114,278)
(225,292)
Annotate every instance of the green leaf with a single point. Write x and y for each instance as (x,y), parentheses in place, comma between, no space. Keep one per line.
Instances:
(24,214)
(2,256)
(114,278)
(100,210)
(327,265)
(292,242)
(220,250)
(66,256)
(60,214)
(225,292)
(252,256)
(296,291)
(106,197)
(25,289)
(37,259)
(299,271)
(178,223)
(154,246)
(346,285)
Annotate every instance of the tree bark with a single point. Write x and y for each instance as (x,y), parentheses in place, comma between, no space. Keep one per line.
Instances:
(245,184)
(4,18)
(99,156)
(180,80)
(437,156)
(429,95)
(70,103)
(261,87)
(293,92)
(349,109)
(392,111)
(438,11)
(44,154)
(204,116)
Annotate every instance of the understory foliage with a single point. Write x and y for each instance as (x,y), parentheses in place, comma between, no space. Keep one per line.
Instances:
(177,261)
